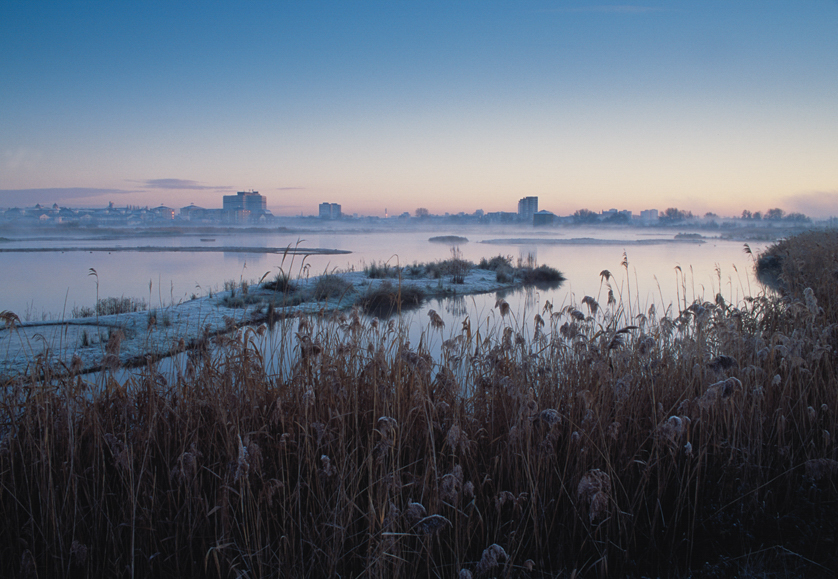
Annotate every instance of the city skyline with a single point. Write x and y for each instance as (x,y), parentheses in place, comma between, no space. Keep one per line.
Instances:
(715,107)
(250,207)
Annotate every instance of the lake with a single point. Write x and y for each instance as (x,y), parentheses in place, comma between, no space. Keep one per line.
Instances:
(49,285)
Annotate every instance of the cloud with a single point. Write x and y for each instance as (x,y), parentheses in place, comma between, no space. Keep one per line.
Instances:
(610,9)
(180,184)
(815,204)
(29,197)
(290,188)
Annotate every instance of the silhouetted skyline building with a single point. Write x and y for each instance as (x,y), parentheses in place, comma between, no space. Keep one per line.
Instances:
(245,201)
(330,211)
(527,207)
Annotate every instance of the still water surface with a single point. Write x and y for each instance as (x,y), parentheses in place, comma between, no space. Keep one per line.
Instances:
(39,285)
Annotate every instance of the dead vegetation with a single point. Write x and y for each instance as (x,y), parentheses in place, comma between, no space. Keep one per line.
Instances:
(695,442)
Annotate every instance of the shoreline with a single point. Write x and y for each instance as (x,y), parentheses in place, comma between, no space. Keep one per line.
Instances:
(588,241)
(159,333)
(188,249)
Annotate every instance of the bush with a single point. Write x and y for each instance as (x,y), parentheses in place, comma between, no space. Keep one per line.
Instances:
(459,267)
(496,263)
(386,299)
(543,274)
(331,286)
(504,275)
(380,270)
(415,270)
(281,283)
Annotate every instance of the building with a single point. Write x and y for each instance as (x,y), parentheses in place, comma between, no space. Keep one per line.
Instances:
(649,215)
(164,212)
(330,211)
(244,206)
(543,218)
(527,207)
(245,201)
(191,212)
(195,213)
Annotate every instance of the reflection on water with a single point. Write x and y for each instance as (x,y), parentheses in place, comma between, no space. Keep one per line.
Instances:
(530,296)
(54,282)
(454,306)
(528,255)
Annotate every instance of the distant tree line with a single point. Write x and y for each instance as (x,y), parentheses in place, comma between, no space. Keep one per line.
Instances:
(674,215)
(775,214)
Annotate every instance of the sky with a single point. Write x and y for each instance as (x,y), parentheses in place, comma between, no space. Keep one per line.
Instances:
(712,106)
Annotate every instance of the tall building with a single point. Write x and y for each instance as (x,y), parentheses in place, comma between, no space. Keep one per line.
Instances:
(245,201)
(527,207)
(330,211)
(244,206)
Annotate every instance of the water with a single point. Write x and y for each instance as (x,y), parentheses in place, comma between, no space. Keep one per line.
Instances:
(49,285)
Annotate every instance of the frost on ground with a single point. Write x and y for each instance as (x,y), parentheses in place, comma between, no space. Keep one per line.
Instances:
(88,344)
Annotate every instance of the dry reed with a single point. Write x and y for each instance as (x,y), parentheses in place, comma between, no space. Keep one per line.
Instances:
(698,443)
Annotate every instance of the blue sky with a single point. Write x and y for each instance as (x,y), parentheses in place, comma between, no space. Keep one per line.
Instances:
(454,106)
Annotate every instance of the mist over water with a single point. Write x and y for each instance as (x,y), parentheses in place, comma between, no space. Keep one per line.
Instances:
(49,285)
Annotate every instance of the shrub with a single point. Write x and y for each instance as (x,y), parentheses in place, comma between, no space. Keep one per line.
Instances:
(459,267)
(380,270)
(415,270)
(496,263)
(281,283)
(543,274)
(504,275)
(386,299)
(331,286)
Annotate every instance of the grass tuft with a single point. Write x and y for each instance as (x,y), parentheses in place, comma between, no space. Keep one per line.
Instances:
(111,306)
(331,286)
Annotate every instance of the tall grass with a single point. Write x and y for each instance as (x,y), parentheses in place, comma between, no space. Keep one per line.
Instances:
(606,445)
(110,306)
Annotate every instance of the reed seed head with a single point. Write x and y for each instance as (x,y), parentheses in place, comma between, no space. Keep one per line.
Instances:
(493,556)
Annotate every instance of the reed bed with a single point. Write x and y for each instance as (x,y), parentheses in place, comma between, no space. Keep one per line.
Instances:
(584,442)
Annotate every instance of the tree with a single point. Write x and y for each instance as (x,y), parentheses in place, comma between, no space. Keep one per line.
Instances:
(585,216)
(747,214)
(673,215)
(616,218)
(421,212)
(797,217)
(775,214)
